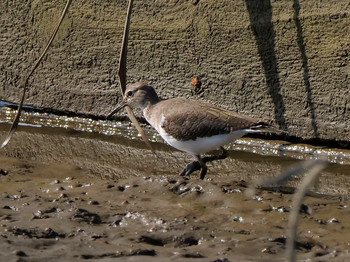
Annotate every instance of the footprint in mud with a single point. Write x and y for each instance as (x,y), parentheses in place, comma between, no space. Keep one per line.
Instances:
(43,214)
(137,252)
(179,241)
(36,233)
(82,215)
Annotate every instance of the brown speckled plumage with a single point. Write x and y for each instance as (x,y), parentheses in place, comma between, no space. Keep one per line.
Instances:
(187,119)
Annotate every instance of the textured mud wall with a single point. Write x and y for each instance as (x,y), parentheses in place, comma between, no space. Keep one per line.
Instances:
(287,60)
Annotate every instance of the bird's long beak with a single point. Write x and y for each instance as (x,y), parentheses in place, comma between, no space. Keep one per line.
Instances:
(118,108)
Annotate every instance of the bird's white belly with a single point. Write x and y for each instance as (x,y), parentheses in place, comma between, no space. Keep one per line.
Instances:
(202,144)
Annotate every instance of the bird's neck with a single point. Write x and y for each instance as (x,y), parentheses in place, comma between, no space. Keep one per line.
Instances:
(150,110)
(147,106)
(152,99)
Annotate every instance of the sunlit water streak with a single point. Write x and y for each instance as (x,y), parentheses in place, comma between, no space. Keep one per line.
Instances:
(110,128)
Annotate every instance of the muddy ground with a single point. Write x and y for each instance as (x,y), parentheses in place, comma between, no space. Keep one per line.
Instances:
(68,196)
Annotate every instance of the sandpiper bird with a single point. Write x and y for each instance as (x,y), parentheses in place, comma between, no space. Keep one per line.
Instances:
(189,125)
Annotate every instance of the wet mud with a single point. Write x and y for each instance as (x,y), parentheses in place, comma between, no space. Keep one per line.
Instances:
(68,195)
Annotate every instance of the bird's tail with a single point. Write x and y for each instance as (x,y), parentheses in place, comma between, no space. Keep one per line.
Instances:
(267,127)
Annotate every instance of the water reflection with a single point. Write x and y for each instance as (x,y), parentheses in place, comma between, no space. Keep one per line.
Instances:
(110,128)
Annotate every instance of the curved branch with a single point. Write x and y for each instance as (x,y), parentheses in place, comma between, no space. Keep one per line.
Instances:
(122,73)
(24,82)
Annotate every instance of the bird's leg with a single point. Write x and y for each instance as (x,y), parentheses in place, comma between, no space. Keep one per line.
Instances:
(200,164)
(223,155)
(194,166)
(203,166)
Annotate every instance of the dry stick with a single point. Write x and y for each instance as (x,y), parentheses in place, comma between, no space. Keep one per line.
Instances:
(122,74)
(316,167)
(24,82)
(124,50)
(295,170)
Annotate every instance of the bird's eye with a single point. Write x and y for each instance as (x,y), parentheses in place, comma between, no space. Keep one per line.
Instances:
(129,94)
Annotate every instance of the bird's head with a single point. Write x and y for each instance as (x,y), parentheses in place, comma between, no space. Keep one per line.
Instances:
(137,95)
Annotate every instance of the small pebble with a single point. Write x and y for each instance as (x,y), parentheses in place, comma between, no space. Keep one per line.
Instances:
(268,251)
(55,182)
(20,253)
(195,2)
(238,219)
(63,195)
(93,202)
(4,172)
(333,220)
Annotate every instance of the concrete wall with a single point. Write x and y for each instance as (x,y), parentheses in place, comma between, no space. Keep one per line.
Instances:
(287,60)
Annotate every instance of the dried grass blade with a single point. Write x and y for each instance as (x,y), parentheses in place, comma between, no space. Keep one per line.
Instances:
(122,74)
(24,82)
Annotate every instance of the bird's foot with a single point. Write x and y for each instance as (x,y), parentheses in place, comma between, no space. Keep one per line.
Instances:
(190,168)
(194,166)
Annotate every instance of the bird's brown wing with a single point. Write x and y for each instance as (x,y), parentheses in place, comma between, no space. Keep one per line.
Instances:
(190,119)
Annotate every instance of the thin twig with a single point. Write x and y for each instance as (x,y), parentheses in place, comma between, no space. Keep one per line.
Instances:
(24,82)
(122,74)
(293,221)
(293,171)
(124,49)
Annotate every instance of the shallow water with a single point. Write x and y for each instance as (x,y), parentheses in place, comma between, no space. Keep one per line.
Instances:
(109,142)
(125,129)
(93,189)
